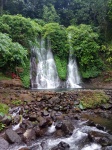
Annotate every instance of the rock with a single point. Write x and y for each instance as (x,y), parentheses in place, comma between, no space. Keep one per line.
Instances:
(42,122)
(61,146)
(54,100)
(16,119)
(38,131)
(29,135)
(65,128)
(3,144)
(26,124)
(103,139)
(106,106)
(100,127)
(6,120)
(91,123)
(32,117)
(76,102)
(45,113)
(12,136)
(59,125)
(24,148)
(56,108)
(108,148)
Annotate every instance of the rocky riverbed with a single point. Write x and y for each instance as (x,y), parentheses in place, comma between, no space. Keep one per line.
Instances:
(39,116)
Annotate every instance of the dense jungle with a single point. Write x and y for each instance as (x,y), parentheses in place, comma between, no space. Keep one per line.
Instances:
(89,21)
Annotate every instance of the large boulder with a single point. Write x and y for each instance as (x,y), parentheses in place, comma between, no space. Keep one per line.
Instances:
(12,136)
(101,138)
(29,135)
(3,144)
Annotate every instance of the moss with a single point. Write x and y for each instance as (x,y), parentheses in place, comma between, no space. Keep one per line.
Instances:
(61,65)
(17,102)
(4,108)
(25,75)
(92,99)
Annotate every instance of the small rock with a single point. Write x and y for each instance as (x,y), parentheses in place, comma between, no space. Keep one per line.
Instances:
(61,146)
(45,113)
(33,117)
(42,122)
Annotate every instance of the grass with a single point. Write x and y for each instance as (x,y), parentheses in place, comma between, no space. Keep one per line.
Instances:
(4,77)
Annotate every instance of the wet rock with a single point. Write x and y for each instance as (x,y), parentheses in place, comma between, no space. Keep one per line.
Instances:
(65,127)
(29,135)
(3,144)
(102,138)
(45,113)
(100,127)
(12,136)
(106,106)
(108,148)
(24,148)
(59,125)
(91,123)
(42,122)
(35,147)
(26,124)
(32,117)
(61,146)
(38,131)
(6,120)
(16,119)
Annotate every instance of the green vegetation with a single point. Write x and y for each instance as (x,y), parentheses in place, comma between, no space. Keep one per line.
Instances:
(92,99)
(21,30)
(86,49)
(3,77)
(61,63)
(88,21)
(16,102)
(11,54)
(2,126)
(25,75)
(4,108)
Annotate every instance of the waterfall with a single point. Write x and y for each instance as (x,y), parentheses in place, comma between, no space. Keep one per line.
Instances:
(73,79)
(46,76)
(43,69)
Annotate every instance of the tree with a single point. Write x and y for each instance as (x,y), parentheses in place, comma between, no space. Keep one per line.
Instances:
(12,54)
(20,29)
(50,14)
(86,50)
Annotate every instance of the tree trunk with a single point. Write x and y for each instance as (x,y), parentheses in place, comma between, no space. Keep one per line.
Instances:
(1,7)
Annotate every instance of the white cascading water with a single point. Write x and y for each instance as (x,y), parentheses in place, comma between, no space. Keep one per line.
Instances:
(73,79)
(46,76)
(77,141)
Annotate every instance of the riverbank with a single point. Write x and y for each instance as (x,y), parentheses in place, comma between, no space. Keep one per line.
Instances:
(33,112)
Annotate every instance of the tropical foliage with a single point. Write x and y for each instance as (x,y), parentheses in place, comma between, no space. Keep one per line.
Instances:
(86,49)
(12,54)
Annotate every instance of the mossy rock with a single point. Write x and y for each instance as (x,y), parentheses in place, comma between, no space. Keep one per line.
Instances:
(92,99)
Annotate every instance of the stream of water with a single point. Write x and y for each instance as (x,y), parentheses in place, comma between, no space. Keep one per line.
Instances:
(77,141)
